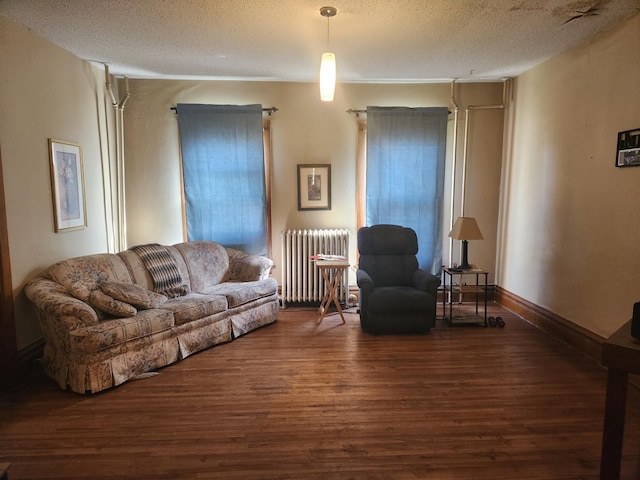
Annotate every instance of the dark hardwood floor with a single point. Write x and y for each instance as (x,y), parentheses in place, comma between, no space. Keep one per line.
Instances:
(297,400)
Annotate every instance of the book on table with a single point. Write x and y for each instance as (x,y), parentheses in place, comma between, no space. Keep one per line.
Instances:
(324,256)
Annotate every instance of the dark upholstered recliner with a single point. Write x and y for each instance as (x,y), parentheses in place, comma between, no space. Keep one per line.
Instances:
(395,295)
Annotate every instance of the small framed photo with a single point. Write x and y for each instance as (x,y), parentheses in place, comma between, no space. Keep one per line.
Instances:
(67,185)
(628,158)
(314,187)
(628,148)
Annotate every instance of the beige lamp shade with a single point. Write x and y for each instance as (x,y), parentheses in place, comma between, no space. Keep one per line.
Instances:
(466,228)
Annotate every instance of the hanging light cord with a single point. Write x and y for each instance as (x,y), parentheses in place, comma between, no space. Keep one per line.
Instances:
(328,12)
(328,31)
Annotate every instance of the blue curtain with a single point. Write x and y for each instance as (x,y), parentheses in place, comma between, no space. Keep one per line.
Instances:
(223,169)
(405,174)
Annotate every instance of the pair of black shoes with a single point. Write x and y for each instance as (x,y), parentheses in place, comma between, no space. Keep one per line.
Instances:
(496,322)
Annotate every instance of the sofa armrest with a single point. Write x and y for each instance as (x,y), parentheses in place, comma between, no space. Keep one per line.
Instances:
(245,267)
(55,301)
(426,282)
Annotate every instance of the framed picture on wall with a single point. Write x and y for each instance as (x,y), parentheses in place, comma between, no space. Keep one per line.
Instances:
(628,158)
(67,185)
(628,151)
(314,187)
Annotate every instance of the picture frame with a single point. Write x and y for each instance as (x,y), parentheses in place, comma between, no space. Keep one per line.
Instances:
(628,148)
(629,157)
(67,185)
(314,187)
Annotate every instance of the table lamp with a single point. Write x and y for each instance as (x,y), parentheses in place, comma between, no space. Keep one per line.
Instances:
(465,229)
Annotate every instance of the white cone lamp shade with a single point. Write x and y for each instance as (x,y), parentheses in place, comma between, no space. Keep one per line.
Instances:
(327,77)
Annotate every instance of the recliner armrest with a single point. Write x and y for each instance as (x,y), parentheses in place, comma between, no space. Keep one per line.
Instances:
(425,281)
(364,281)
(366,286)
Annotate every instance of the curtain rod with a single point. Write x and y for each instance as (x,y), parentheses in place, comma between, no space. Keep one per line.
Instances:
(361,112)
(269,110)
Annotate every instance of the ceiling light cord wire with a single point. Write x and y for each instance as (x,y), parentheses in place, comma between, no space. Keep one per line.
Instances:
(328,43)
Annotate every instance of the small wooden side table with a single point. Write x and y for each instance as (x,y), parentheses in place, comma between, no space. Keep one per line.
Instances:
(332,272)
(621,354)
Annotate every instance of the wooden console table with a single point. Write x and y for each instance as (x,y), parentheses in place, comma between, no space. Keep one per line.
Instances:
(621,354)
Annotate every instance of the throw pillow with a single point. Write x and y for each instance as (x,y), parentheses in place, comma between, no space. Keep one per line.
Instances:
(133,294)
(110,305)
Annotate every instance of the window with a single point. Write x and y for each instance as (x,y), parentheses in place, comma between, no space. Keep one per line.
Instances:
(403,175)
(224,175)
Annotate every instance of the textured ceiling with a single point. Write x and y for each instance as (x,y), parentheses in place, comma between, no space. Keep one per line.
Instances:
(374,40)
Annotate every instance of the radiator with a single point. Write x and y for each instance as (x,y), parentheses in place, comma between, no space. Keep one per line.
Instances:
(301,279)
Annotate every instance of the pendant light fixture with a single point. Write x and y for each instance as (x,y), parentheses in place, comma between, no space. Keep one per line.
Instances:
(328,63)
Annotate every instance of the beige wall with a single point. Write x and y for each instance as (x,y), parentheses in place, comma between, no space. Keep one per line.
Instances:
(568,229)
(46,92)
(304,130)
(570,225)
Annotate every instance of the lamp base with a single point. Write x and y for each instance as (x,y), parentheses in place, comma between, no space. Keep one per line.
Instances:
(464,265)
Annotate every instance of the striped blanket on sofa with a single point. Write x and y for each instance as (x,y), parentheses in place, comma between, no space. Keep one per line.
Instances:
(163,270)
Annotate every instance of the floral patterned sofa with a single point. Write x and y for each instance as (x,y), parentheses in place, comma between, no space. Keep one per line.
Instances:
(107,318)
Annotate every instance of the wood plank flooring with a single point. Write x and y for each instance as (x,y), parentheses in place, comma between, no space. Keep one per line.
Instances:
(298,400)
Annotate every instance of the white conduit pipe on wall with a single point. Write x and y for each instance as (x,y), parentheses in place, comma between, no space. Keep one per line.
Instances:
(456,109)
(120,225)
(107,193)
(467,123)
(122,196)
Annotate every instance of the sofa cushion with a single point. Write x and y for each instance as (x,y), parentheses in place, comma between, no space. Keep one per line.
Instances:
(107,304)
(82,275)
(207,263)
(399,299)
(239,293)
(194,307)
(134,294)
(109,333)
